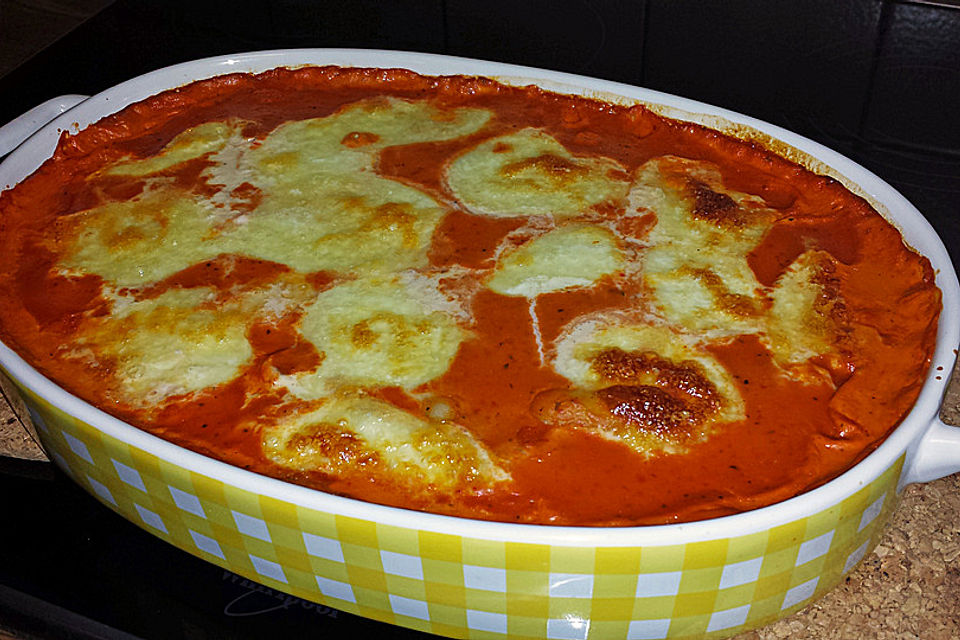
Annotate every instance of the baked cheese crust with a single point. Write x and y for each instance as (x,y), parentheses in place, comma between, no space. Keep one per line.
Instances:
(453,295)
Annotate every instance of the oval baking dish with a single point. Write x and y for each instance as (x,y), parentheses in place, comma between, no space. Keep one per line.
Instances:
(467,578)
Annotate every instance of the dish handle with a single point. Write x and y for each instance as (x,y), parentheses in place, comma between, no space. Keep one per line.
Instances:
(937,455)
(19,129)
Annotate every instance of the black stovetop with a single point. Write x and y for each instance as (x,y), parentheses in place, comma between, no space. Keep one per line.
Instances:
(876,80)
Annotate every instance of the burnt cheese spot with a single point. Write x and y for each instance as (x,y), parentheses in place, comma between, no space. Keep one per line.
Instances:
(331,447)
(650,408)
(685,382)
(711,206)
(362,336)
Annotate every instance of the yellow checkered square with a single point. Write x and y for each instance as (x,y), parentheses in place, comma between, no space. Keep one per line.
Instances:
(530,626)
(484,553)
(406,587)
(617,560)
(533,582)
(357,532)
(770,586)
(328,569)
(601,628)
(654,608)
(612,608)
(398,540)
(316,522)
(786,536)
(614,586)
(661,559)
(700,580)
(482,600)
(365,557)
(442,572)
(693,604)
(446,594)
(572,560)
(735,596)
(439,546)
(527,557)
(529,607)
(747,547)
(701,555)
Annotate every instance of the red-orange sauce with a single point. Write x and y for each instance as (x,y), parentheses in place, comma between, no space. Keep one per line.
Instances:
(794,437)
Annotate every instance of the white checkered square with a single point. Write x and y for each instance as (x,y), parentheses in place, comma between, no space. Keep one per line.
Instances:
(78,447)
(402,564)
(151,518)
(813,549)
(800,593)
(651,585)
(569,628)
(101,490)
(267,568)
(855,557)
(571,585)
(487,621)
(129,475)
(728,618)
(250,526)
(326,548)
(38,420)
(740,573)
(187,502)
(336,589)
(871,512)
(409,607)
(485,578)
(206,543)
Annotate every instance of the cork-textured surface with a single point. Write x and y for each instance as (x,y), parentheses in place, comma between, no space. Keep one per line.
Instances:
(18,438)
(908,588)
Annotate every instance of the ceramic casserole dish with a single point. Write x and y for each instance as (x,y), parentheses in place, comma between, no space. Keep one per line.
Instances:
(476,579)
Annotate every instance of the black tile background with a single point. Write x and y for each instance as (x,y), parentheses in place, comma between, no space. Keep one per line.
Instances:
(598,38)
(784,62)
(886,71)
(915,100)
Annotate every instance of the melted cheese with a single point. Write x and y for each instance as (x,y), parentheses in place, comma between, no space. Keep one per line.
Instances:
(177,343)
(138,241)
(322,206)
(184,340)
(642,385)
(531,173)
(571,256)
(192,143)
(802,322)
(375,332)
(355,435)
(696,264)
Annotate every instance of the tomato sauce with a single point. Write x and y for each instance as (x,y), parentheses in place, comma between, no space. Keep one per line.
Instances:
(794,437)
